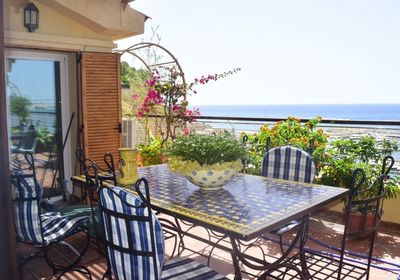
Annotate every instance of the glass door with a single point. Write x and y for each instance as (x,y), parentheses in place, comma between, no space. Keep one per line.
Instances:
(35,97)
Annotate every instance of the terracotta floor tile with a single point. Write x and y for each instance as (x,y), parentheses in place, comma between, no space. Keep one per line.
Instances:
(323,227)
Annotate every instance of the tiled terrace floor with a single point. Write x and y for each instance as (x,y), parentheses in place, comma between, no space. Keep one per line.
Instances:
(324,226)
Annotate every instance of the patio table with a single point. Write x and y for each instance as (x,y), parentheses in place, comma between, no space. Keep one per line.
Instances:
(242,210)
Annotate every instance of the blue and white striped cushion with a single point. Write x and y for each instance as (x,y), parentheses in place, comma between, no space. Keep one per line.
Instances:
(56,226)
(26,210)
(27,195)
(124,265)
(185,269)
(27,183)
(289,163)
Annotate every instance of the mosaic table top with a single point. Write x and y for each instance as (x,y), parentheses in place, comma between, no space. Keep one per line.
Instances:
(244,208)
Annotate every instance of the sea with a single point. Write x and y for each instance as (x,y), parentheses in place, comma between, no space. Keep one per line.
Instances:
(326,111)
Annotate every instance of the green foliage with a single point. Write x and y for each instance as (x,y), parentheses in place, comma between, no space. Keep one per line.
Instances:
(289,132)
(207,149)
(134,91)
(151,153)
(45,140)
(132,77)
(346,155)
(20,106)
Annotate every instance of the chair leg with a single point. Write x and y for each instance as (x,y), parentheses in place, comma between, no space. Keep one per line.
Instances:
(72,266)
(72,248)
(107,274)
(77,268)
(281,244)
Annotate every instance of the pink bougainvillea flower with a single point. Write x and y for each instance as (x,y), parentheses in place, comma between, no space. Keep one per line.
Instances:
(176,107)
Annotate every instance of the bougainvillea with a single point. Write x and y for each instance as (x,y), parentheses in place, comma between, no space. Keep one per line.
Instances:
(166,96)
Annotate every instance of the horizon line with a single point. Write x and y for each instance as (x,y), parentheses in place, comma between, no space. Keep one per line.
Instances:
(291,104)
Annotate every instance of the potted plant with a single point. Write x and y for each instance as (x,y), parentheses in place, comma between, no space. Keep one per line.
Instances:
(208,161)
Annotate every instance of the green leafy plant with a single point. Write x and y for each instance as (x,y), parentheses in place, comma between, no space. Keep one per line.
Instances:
(20,106)
(207,149)
(346,155)
(151,153)
(45,140)
(289,132)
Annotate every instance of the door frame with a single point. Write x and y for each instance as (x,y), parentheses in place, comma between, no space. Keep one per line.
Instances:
(62,58)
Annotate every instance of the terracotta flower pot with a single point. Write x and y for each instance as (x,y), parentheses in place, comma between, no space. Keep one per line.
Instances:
(361,224)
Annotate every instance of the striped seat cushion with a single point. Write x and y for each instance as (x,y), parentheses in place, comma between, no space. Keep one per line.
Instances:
(26,196)
(126,236)
(185,268)
(289,163)
(27,218)
(55,226)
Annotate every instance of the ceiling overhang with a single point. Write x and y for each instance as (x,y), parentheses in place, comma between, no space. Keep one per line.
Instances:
(110,17)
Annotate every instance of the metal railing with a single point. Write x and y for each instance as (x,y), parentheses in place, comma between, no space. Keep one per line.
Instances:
(336,128)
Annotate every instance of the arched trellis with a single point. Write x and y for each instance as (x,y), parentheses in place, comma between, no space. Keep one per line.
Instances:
(171,60)
(144,52)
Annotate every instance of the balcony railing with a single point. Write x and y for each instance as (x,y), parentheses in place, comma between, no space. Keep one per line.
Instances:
(337,128)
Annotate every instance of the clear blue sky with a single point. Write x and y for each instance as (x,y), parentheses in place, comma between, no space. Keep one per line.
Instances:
(290,52)
(34,79)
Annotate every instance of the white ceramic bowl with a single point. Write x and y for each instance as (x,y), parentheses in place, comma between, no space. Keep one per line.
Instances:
(209,179)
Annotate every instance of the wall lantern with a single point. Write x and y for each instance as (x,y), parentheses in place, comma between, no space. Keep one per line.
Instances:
(31,17)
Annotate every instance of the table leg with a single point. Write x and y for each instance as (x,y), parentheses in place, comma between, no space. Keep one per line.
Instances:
(302,253)
(238,273)
(268,268)
(181,245)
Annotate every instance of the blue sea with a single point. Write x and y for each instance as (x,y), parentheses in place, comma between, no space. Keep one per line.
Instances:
(331,111)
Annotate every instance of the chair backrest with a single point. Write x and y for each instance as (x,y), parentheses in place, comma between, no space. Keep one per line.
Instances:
(366,201)
(108,158)
(134,237)
(27,194)
(289,163)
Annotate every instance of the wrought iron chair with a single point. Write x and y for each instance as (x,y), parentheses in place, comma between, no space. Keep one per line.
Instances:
(109,177)
(106,175)
(365,206)
(288,163)
(43,230)
(135,241)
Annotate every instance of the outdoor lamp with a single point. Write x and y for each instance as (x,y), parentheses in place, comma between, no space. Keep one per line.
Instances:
(31,17)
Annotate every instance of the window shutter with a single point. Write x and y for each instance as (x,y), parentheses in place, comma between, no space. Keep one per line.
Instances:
(101,105)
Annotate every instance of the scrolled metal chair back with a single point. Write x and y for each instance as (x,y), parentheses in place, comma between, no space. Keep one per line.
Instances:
(367,200)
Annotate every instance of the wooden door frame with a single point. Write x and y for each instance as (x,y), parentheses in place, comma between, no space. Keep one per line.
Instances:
(8,259)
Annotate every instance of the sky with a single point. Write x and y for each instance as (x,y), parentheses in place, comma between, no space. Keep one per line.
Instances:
(290,51)
(34,79)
